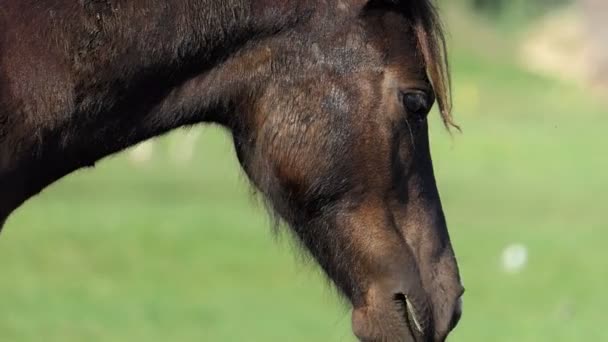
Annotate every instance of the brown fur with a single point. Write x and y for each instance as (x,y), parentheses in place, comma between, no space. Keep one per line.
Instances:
(313,94)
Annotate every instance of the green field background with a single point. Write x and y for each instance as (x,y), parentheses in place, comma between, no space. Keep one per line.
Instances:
(167,252)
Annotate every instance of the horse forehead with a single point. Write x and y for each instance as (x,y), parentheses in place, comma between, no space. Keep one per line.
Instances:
(388,40)
(345,53)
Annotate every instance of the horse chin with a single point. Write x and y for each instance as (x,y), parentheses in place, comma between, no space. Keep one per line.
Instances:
(369,325)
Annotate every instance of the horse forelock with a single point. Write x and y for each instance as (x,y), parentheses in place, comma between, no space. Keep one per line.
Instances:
(428,28)
(432,45)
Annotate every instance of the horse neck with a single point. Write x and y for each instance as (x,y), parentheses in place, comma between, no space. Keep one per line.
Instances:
(193,35)
(124,51)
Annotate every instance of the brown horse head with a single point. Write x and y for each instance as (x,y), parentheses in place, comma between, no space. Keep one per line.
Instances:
(327,101)
(336,138)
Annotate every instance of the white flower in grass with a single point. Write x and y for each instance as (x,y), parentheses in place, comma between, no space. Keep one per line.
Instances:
(514,258)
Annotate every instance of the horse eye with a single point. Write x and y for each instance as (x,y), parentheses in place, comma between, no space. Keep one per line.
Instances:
(417,103)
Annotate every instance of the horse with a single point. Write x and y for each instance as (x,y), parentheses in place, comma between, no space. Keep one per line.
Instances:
(326,102)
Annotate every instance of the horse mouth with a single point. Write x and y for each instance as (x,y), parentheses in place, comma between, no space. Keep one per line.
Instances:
(409,314)
(398,317)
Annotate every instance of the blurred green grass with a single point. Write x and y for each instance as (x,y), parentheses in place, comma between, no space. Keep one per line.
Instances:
(161,252)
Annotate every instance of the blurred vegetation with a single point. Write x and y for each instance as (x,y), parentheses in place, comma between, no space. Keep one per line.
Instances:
(513,12)
(496,7)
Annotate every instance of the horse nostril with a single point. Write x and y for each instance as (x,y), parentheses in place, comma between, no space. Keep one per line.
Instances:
(409,312)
